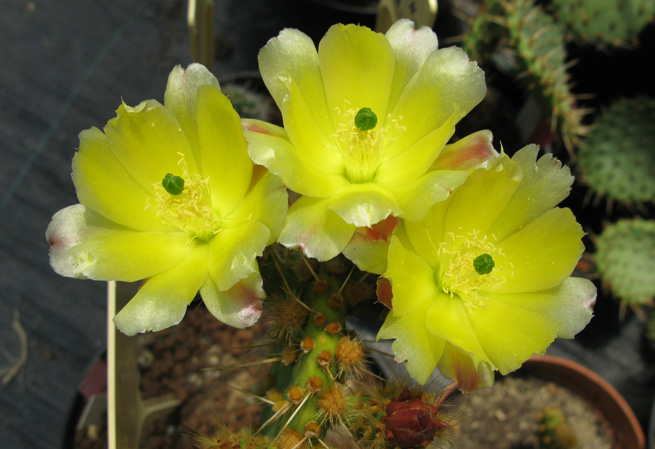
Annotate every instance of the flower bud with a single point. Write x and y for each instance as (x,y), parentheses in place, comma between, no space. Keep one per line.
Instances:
(410,422)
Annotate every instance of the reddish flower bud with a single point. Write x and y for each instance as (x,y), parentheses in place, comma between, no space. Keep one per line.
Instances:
(410,422)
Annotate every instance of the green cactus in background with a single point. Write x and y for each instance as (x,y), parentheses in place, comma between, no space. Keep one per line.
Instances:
(616,159)
(605,23)
(248,102)
(553,432)
(486,34)
(539,43)
(625,254)
(521,37)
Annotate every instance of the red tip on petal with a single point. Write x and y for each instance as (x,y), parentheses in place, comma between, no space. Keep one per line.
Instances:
(384,293)
(381,230)
(254,127)
(468,153)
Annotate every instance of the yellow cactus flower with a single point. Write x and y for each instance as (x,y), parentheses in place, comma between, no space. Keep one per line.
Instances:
(482,282)
(169,194)
(366,118)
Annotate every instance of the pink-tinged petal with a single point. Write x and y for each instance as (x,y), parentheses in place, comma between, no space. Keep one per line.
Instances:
(181,97)
(366,255)
(162,300)
(319,232)
(413,343)
(469,152)
(380,231)
(384,293)
(363,205)
(411,47)
(570,304)
(84,244)
(292,56)
(369,246)
(458,365)
(240,306)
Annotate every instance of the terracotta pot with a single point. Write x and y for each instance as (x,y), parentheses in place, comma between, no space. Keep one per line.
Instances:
(597,392)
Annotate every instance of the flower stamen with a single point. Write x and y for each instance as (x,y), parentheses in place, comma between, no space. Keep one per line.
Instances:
(184,202)
(467,266)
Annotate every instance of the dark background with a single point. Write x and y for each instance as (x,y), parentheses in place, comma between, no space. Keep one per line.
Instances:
(65,65)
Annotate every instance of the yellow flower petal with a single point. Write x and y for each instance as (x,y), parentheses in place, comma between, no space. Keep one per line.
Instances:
(149,142)
(448,318)
(448,83)
(266,202)
(313,145)
(546,179)
(104,185)
(229,172)
(570,304)
(409,163)
(315,229)
(240,306)
(233,252)
(542,254)
(459,365)
(413,343)
(363,205)
(477,203)
(84,244)
(357,66)
(269,146)
(412,279)
(162,300)
(508,334)
(416,198)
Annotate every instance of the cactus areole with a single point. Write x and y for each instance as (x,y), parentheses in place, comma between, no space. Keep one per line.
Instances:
(410,422)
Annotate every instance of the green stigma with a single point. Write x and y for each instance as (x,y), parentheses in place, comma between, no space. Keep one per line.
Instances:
(173,184)
(483,264)
(365,119)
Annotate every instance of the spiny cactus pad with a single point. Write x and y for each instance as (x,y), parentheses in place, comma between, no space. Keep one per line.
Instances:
(625,253)
(605,22)
(617,158)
